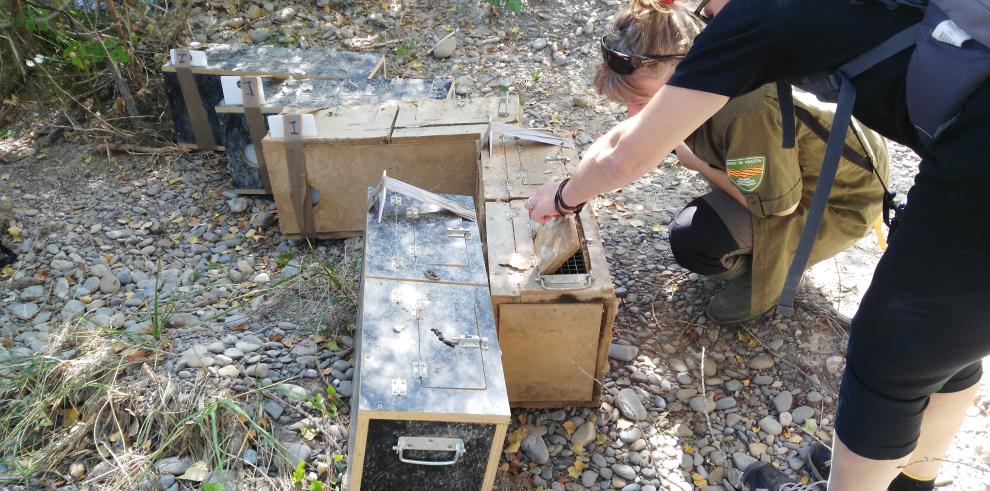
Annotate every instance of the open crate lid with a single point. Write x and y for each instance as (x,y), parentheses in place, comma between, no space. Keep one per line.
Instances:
(417,235)
(279,62)
(514,168)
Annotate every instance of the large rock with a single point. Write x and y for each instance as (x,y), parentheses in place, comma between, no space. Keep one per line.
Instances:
(24,311)
(771,426)
(783,402)
(445,48)
(585,434)
(631,405)
(622,352)
(761,362)
(536,449)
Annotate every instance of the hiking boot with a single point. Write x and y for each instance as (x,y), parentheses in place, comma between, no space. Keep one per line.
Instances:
(732,305)
(761,476)
(820,461)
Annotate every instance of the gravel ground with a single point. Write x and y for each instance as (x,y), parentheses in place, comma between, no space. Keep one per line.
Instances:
(248,309)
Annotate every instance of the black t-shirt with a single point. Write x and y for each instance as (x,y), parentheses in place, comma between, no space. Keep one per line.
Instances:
(754,42)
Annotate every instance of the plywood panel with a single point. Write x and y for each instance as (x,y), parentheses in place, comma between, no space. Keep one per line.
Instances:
(343,175)
(555,242)
(549,351)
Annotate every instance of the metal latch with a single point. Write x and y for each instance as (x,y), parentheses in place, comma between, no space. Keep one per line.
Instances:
(419,369)
(398,387)
(463,233)
(557,158)
(469,341)
(412,212)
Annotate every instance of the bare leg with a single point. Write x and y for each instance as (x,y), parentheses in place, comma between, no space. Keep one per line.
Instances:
(941,421)
(851,472)
(943,417)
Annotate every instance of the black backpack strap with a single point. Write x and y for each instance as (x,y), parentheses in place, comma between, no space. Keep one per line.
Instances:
(786,101)
(833,151)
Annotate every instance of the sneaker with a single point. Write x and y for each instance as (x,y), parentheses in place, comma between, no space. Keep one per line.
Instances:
(761,476)
(733,304)
(820,461)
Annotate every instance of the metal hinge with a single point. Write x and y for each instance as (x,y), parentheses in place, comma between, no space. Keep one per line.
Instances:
(419,369)
(472,341)
(398,387)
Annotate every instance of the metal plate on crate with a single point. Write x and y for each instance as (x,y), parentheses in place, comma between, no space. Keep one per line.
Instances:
(439,339)
(415,241)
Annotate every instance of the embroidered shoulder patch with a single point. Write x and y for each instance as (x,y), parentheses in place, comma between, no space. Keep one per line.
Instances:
(747,172)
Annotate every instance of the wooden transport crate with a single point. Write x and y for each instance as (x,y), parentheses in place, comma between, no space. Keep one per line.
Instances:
(429,409)
(554,329)
(432,144)
(262,61)
(305,95)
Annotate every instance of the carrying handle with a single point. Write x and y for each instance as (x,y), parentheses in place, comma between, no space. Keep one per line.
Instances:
(433,444)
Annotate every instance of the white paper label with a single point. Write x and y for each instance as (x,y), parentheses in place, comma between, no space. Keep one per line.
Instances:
(232,95)
(308,126)
(198,57)
(949,32)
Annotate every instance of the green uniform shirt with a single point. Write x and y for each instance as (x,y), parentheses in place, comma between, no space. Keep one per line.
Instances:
(744,139)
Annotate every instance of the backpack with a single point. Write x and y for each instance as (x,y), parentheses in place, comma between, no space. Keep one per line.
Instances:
(951,60)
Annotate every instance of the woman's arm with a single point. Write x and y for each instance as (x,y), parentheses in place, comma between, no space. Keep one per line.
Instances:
(631,149)
(717,176)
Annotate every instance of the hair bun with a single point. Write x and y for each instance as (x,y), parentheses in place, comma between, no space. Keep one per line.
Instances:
(658,5)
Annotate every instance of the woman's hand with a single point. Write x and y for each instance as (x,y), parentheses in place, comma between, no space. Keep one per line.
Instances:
(541,204)
(689,160)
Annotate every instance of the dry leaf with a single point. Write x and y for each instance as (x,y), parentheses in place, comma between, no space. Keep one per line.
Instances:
(577,449)
(195,472)
(15,232)
(70,417)
(570,427)
(308,433)
(576,469)
(287,343)
(623,423)
(9,270)
(515,439)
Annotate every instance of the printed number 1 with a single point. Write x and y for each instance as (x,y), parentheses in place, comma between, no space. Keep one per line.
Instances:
(294,131)
(250,88)
(182,57)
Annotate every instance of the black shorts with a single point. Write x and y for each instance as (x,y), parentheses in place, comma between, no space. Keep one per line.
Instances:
(924,325)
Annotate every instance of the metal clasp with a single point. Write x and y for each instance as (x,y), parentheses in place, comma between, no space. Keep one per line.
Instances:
(398,387)
(463,233)
(469,341)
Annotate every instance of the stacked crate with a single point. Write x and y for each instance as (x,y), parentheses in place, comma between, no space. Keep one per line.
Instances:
(554,328)
(432,144)
(269,62)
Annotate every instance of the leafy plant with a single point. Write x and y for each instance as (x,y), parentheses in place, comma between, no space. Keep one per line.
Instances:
(515,6)
(213,486)
(406,50)
(327,404)
(299,473)
(284,258)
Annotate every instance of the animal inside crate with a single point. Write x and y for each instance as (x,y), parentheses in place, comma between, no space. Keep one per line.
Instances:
(554,329)
(432,144)
(429,409)
(249,60)
(305,95)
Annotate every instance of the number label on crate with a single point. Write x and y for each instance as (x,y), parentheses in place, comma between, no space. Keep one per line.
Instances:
(235,88)
(308,129)
(185,57)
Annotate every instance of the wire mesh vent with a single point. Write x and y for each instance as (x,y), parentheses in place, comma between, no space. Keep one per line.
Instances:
(574,265)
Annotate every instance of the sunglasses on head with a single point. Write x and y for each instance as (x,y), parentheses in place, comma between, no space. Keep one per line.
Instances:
(700,11)
(624,64)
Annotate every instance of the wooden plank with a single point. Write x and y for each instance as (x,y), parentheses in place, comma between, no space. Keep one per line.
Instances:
(555,242)
(549,351)
(453,112)
(494,456)
(504,280)
(494,174)
(276,61)
(357,452)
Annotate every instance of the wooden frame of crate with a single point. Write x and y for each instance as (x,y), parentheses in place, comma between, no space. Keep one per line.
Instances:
(555,329)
